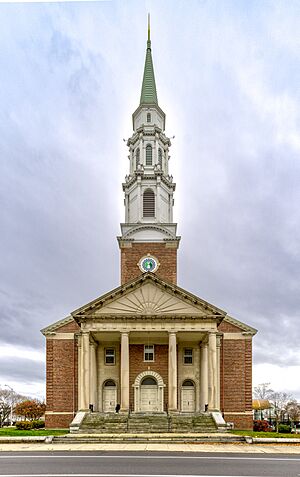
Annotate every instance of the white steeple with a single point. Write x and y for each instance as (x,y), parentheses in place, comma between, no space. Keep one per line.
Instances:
(148,187)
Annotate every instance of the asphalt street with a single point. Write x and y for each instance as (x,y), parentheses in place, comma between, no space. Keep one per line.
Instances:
(114,464)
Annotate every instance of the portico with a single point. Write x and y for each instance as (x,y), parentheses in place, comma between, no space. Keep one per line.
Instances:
(166,335)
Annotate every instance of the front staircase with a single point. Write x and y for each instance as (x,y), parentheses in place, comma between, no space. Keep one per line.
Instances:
(149,423)
(145,423)
(104,423)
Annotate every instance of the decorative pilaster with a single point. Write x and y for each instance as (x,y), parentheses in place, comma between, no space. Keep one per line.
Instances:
(212,371)
(219,337)
(172,370)
(203,375)
(85,370)
(124,371)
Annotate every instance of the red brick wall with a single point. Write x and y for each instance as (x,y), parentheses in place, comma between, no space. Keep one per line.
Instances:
(166,255)
(236,380)
(58,421)
(226,327)
(61,380)
(72,327)
(240,421)
(137,366)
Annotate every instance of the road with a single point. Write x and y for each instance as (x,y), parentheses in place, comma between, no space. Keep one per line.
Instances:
(154,464)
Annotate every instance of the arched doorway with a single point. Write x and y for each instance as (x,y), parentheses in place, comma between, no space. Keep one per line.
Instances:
(188,396)
(149,395)
(149,392)
(109,396)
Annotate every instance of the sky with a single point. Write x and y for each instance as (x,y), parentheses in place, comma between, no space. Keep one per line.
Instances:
(227,77)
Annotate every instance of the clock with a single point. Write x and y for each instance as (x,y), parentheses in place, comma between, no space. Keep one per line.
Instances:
(148,264)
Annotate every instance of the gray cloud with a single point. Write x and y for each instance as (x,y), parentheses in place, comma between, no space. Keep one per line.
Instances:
(22,370)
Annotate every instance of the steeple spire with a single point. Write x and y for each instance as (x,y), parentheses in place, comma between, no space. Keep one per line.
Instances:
(148,94)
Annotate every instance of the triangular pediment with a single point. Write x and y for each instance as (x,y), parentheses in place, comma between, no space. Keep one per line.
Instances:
(148,295)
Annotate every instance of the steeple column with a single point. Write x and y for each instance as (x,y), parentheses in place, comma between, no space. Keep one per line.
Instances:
(140,199)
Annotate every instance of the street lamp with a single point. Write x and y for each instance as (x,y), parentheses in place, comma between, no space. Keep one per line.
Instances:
(11,404)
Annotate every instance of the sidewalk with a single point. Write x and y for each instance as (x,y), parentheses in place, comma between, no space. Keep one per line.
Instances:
(230,448)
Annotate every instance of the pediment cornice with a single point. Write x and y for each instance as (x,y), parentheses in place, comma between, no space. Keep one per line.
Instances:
(149,297)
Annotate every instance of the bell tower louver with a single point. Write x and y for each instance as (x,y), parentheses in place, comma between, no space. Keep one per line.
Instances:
(148,230)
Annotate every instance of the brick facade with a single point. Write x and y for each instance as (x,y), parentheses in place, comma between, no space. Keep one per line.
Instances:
(235,373)
(61,378)
(236,377)
(166,253)
(137,365)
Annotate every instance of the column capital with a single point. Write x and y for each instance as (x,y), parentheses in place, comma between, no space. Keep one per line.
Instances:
(204,342)
(219,338)
(172,333)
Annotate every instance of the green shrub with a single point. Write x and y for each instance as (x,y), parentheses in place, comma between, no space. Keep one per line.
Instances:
(24,425)
(38,424)
(284,428)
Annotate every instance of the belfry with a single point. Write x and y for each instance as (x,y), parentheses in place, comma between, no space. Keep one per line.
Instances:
(148,347)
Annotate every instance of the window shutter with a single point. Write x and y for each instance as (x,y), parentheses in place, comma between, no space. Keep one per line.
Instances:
(148,203)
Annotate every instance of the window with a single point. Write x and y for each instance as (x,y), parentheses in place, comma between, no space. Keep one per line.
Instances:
(188,383)
(110,383)
(110,356)
(137,157)
(148,155)
(148,203)
(148,381)
(149,353)
(148,118)
(160,157)
(188,356)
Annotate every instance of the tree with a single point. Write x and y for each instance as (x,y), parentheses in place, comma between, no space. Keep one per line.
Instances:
(293,410)
(8,399)
(279,402)
(30,409)
(263,391)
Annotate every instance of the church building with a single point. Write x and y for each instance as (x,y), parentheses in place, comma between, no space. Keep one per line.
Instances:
(148,347)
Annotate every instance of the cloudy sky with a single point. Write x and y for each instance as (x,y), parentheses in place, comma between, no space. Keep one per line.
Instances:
(228,75)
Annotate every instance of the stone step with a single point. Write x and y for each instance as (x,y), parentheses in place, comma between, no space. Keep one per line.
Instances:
(142,422)
(145,438)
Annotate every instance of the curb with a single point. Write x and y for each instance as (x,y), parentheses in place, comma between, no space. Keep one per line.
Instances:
(26,439)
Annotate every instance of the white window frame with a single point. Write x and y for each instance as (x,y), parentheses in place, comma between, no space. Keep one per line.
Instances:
(148,350)
(113,354)
(188,356)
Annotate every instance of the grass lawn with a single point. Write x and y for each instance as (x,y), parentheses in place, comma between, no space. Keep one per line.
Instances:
(12,431)
(263,434)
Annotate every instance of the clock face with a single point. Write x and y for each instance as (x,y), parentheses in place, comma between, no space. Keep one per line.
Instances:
(148,264)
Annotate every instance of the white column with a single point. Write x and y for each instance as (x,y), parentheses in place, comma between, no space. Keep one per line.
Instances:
(172,371)
(124,372)
(93,375)
(79,358)
(203,376)
(85,370)
(139,199)
(212,371)
(218,403)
